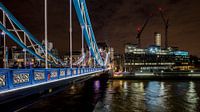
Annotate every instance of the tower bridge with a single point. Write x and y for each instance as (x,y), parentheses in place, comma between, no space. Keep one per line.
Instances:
(13,80)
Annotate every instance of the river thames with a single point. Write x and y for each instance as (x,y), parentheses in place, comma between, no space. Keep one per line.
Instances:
(123,96)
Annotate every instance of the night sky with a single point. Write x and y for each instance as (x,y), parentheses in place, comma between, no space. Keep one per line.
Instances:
(114,21)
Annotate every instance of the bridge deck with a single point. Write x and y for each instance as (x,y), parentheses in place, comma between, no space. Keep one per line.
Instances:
(16,79)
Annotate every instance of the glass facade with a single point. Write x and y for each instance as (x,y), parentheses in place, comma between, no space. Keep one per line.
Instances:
(153,57)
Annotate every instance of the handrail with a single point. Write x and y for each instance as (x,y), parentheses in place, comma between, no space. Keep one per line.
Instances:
(16,79)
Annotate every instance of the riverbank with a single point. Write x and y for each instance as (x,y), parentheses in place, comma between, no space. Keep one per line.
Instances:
(157,76)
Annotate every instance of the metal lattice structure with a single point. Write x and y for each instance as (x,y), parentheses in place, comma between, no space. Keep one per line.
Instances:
(14,34)
(18,79)
(85,23)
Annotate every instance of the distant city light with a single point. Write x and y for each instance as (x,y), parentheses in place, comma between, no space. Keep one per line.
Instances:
(182,53)
(2,33)
(160,9)
(138,29)
(153,50)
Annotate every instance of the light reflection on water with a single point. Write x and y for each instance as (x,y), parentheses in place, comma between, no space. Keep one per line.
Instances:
(124,96)
(191,97)
(152,96)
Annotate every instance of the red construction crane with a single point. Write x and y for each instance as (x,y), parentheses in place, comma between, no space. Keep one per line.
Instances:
(140,30)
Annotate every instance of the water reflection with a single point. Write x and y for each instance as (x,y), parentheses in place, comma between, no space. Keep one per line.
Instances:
(191,98)
(97,85)
(124,96)
(152,96)
(156,98)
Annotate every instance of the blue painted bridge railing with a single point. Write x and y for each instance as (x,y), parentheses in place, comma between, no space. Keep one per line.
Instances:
(15,79)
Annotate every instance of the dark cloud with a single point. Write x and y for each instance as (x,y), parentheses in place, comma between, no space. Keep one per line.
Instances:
(114,21)
(174,1)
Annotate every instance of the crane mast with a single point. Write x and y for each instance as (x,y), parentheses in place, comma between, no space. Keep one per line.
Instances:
(140,30)
(166,23)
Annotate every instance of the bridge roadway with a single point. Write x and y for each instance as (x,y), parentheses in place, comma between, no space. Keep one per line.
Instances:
(23,82)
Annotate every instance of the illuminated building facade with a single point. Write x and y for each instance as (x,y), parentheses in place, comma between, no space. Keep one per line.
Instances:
(1,56)
(118,62)
(154,58)
(75,56)
(17,55)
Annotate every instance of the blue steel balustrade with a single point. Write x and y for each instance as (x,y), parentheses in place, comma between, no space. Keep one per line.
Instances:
(14,79)
(17,79)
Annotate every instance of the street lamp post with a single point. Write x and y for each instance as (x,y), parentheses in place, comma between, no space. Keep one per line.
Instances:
(70,30)
(82,28)
(46,41)
(4,41)
(25,50)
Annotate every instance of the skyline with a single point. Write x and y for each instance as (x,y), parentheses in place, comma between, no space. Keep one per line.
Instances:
(113,21)
(40,71)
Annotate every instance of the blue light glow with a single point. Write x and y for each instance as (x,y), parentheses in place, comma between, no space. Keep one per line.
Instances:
(181,53)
